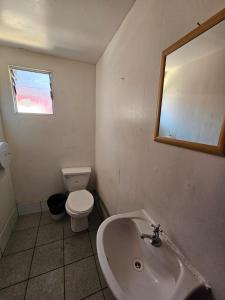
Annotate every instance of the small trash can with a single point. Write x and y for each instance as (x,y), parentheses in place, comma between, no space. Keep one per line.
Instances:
(56,205)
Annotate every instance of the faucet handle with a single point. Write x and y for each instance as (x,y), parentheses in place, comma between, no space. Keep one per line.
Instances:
(157,228)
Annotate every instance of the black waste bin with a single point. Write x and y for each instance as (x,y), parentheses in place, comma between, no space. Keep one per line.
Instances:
(56,205)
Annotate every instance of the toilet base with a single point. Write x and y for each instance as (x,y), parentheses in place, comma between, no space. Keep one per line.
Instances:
(79,224)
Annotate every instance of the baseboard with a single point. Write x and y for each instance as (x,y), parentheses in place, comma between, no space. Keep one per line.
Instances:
(25,208)
(104,210)
(7,230)
(102,206)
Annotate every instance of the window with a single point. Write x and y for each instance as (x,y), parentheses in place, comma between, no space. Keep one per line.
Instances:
(32,91)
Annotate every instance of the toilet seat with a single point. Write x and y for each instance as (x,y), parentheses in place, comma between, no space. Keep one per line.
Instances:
(79,202)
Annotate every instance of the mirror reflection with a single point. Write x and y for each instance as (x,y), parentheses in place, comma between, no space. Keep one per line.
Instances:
(193,99)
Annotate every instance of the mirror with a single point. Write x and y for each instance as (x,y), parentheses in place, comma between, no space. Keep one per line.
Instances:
(191,109)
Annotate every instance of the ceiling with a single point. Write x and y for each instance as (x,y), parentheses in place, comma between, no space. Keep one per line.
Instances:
(76,29)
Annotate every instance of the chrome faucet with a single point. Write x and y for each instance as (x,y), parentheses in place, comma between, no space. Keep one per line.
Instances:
(155,239)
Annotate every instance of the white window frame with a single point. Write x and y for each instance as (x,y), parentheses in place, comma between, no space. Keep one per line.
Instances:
(10,68)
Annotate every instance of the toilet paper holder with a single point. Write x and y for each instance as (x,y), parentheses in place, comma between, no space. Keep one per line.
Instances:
(5,155)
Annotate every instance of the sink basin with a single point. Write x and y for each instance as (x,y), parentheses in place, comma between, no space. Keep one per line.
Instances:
(134,269)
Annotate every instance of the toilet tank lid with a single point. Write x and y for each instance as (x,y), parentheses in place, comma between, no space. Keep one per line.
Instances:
(76,171)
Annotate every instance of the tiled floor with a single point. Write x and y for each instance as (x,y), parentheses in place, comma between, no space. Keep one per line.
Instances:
(44,260)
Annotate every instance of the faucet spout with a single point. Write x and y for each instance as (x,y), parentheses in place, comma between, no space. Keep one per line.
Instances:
(146,236)
(154,238)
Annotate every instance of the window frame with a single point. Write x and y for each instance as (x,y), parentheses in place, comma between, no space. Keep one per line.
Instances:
(15,110)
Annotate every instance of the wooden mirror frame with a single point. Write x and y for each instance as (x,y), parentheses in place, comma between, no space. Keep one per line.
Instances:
(219,149)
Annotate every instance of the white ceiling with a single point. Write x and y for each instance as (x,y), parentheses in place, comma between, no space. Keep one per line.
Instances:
(77,29)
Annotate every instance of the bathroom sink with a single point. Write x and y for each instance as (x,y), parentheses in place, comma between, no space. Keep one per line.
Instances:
(134,269)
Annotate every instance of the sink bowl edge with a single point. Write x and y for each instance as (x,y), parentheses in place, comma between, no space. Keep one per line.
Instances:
(189,279)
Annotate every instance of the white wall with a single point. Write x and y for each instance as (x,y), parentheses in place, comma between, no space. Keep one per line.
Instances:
(42,145)
(7,199)
(182,189)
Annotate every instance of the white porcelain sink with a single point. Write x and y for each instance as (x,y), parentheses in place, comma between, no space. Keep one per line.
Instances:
(136,270)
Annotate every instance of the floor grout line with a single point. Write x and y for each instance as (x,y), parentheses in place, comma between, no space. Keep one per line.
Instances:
(92,294)
(13,232)
(62,266)
(50,223)
(96,255)
(23,229)
(48,243)
(14,253)
(29,227)
(32,256)
(95,263)
(64,279)
(38,246)
(75,261)
(35,246)
(11,285)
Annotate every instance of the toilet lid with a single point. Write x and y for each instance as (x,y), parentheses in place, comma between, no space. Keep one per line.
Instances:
(80,201)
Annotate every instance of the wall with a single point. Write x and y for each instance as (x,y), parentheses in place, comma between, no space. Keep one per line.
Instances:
(181,189)
(187,99)
(7,201)
(42,145)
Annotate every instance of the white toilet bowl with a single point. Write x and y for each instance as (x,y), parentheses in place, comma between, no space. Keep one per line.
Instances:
(79,205)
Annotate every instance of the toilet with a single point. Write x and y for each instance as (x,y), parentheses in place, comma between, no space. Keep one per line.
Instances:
(80,202)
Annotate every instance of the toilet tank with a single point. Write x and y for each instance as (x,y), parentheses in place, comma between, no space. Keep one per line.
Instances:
(76,178)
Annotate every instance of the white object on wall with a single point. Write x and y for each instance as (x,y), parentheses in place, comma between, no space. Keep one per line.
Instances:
(5,155)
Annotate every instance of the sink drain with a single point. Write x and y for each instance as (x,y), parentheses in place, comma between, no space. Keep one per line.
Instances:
(138,265)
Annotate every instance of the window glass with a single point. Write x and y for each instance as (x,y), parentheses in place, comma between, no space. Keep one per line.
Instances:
(32,91)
